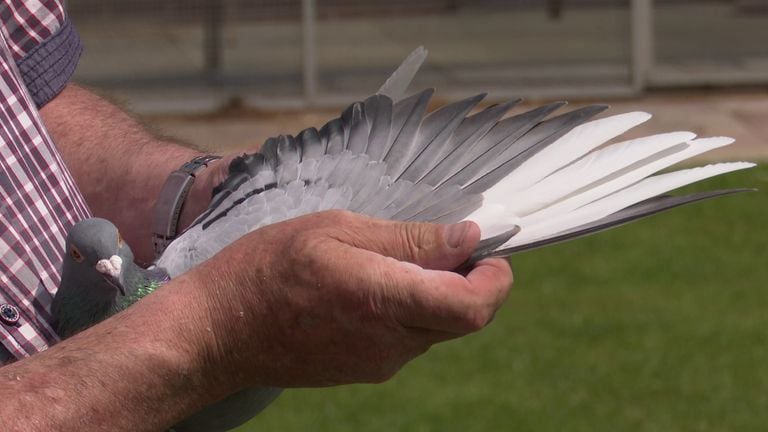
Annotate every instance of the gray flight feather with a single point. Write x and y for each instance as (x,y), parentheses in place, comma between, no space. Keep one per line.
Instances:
(355,129)
(406,118)
(435,130)
(269,151)
(502,139)
(333,134)
(378,114)
(461,147)
(311,144)
(398,83)
(542,135)
(486,248)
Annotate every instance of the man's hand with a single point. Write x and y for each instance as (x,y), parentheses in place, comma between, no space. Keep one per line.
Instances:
(335,298)
(329,298)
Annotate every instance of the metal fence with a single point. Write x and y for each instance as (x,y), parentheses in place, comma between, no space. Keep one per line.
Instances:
(323,51)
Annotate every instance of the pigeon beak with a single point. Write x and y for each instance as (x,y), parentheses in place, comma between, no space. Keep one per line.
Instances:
(111,269)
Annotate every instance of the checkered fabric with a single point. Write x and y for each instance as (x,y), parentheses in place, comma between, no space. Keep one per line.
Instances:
(38,197)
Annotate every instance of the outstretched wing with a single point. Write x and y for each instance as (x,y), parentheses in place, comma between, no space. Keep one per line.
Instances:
(389,158)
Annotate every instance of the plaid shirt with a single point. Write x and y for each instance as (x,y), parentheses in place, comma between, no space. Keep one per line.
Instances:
(39,201)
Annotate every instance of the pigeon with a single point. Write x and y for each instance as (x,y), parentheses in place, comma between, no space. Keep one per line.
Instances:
(529,179)
(99,278)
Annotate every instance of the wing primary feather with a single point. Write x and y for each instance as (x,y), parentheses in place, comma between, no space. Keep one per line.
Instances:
(435,130)
(469,132)
(597,168)
(631,175)
(568,148)
(486,248)
(378,113)
(407,117)
(505,141)
(540,136)
(640,191)
(640,210)
(399,81)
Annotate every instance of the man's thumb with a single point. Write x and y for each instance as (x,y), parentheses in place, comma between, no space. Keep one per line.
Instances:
(432,246)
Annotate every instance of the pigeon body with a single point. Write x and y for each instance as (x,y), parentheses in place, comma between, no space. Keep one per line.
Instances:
(528,179)
(99,279)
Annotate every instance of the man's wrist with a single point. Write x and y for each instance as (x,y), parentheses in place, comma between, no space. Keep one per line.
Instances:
(181,199)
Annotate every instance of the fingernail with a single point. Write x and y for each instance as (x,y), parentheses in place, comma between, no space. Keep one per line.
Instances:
(454,234)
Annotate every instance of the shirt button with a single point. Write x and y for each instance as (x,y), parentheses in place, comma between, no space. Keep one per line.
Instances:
(9,314)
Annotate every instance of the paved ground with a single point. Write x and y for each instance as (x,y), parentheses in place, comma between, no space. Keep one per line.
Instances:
(742,114)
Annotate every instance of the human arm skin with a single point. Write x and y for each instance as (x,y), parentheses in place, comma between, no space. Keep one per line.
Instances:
(119,166)
(325,299)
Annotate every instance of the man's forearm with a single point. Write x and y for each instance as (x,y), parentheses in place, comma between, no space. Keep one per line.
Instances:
(119,166)
(133,372)
(324,299)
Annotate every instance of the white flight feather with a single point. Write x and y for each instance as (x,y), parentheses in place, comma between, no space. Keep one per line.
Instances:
(640,191)
(571,146)
(611,184)
(591,168)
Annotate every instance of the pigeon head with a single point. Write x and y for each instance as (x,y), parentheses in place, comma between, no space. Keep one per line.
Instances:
(96,257)
(98,277)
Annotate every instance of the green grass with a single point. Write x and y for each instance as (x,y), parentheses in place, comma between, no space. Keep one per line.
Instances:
(657,326)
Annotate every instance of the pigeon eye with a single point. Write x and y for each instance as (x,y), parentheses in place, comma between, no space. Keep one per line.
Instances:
(76,255)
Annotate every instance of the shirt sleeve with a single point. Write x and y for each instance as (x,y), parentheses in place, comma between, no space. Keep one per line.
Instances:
(44,43)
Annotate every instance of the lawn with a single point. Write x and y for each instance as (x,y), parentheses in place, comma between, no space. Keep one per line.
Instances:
(661,325)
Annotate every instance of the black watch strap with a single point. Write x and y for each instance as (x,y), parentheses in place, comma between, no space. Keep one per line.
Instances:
(165,220)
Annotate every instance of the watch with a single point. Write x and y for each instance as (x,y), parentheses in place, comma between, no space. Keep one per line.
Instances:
(165,219)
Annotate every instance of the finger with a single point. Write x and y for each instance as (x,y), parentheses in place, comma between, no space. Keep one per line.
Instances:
(437,300)
(494,275)
(432,246)
(464,305)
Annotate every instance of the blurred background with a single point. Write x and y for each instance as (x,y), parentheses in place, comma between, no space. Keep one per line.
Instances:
(661,325)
